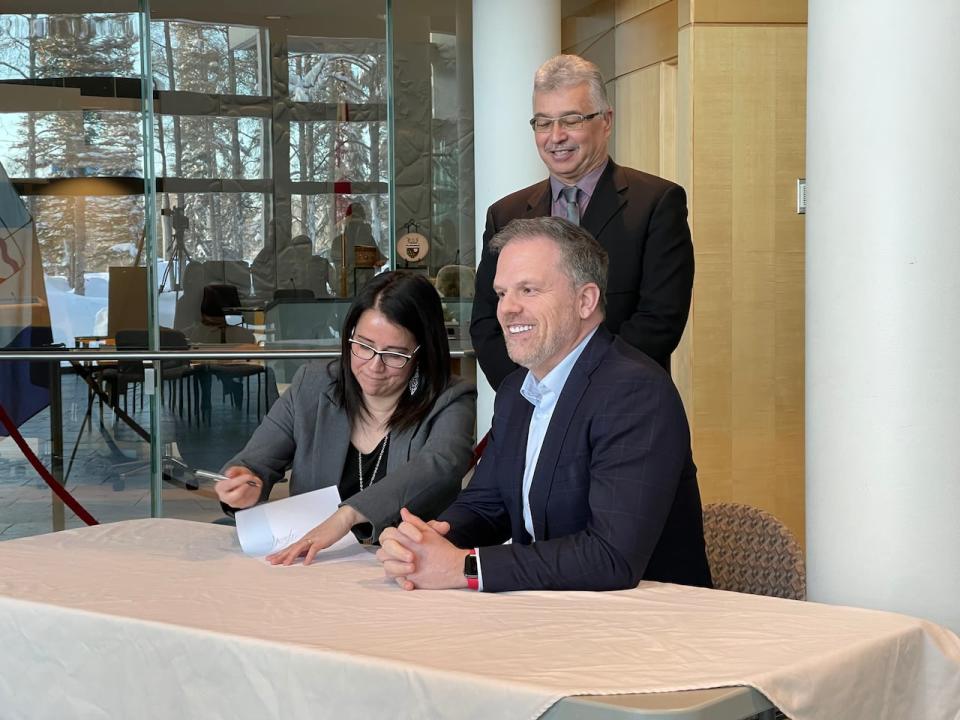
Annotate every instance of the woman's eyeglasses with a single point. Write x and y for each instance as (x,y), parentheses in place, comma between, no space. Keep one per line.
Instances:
(390,358)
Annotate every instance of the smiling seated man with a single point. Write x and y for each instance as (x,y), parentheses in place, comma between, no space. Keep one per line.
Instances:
(588,468)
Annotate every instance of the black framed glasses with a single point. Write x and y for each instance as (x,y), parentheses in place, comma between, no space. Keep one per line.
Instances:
(389,358)
(574,121)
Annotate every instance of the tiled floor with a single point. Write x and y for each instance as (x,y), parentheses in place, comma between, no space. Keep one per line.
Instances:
(105,451)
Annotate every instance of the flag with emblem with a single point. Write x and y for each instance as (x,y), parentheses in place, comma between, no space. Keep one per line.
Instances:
(24,313)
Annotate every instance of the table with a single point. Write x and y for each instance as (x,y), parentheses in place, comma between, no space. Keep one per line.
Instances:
(167,619)
(732,703)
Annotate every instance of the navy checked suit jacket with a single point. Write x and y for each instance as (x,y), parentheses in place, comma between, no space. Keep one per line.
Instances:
(614,499)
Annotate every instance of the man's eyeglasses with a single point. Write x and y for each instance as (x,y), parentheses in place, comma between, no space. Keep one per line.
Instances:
(574,121)
(391,359)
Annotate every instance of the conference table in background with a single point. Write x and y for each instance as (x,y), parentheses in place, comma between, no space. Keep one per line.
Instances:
(167,618)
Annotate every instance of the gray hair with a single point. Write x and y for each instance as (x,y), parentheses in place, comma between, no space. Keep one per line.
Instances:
(566,71)
(582,258)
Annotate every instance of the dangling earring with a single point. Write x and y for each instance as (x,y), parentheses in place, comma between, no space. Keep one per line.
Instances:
(414,383)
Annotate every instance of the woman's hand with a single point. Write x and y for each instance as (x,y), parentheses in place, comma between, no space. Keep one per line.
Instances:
(322,536)
(241,489)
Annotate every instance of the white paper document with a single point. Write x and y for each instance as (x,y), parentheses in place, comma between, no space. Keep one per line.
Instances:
(272,526)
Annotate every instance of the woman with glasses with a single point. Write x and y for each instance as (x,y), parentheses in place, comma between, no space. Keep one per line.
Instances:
(386,423)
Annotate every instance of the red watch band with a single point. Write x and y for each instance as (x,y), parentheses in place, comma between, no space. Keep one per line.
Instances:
(473,582)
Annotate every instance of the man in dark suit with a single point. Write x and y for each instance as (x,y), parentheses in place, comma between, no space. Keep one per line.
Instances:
(640,219)
(588,467)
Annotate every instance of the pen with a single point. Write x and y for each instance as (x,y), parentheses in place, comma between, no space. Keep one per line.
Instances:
(217,477)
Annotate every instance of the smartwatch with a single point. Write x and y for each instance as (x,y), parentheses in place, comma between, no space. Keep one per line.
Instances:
(470,570)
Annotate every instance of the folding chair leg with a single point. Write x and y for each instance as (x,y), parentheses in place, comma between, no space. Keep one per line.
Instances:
(197,393)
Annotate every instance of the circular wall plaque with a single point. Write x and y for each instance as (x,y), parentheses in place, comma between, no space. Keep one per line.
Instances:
(412,247)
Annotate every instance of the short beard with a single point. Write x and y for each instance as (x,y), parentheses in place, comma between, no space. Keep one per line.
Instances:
(538,356)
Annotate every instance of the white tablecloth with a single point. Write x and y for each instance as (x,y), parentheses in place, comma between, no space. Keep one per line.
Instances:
(168,619)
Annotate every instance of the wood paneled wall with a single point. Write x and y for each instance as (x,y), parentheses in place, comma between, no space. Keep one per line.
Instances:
(741,159)
(712,94)
(646,137)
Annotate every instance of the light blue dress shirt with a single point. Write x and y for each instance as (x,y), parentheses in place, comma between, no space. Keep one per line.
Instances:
(543,395)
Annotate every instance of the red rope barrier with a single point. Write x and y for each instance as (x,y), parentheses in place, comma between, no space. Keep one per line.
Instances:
(61,492)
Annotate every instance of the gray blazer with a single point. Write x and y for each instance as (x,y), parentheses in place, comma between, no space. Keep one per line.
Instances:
(307,431)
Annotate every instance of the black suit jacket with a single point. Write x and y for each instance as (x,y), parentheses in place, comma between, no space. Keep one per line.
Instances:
(614,499)
(641,220)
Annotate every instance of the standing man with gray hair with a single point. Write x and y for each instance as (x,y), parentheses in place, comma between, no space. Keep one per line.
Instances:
(588,467)
(640,219)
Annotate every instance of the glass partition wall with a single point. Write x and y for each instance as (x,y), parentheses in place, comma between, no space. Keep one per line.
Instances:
(190,195)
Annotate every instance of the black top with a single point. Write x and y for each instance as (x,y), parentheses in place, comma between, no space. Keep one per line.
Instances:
(349,484)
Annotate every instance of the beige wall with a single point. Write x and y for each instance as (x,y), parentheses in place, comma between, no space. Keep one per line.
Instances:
(712,95)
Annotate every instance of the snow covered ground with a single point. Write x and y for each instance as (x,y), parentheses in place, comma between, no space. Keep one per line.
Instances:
(75,315)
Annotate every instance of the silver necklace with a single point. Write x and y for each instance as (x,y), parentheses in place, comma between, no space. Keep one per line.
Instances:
(383,448)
